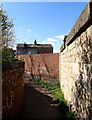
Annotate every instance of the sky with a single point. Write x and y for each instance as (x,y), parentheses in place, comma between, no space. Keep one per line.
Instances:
(47,22)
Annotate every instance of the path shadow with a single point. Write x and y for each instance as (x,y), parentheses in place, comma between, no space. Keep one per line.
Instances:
(38,105)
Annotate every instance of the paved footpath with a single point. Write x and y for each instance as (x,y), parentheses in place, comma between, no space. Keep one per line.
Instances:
(38,105)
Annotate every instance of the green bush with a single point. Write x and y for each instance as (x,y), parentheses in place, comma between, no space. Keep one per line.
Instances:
(7,54)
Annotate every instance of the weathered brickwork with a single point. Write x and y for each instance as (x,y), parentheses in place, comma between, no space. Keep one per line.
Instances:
(12,89)
(44,51)
(43,66)
(75,71)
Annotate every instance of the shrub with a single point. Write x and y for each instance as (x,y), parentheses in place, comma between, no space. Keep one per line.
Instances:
(7,54)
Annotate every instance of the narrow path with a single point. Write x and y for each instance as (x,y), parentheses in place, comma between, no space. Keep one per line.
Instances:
(38,105)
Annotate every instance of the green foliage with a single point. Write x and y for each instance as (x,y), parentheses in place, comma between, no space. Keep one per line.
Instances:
(48,85)
(6,26)
(7,54)
(37,81)
(54,87)
(43,84)
(5,20)
(69,115)
(6,36)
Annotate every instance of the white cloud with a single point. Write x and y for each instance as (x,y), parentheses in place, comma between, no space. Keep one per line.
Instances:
(28,30)
(47,42)
(60,37)
(14,47)
(51,39)
(55,42)
(55,51)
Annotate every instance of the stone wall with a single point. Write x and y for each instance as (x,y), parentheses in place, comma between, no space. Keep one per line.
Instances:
(43,66)
(76,66)
(12,89)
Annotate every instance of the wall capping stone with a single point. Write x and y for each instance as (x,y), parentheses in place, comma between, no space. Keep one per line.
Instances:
(83,22)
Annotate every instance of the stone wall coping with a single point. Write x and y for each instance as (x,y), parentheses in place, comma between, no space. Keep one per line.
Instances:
(83,22)
(62,48)
(11,65)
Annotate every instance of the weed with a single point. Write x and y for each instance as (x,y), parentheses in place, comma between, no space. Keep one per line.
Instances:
(54,87)
(69,115)
(36,80)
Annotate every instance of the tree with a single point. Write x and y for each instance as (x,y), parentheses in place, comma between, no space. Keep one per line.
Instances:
(6,31)
(6,36)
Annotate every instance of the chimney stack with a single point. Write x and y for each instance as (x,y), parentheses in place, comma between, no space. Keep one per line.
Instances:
(35,42)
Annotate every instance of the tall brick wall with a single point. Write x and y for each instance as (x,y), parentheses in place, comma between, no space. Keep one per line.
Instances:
(75,69)
(43,66)
(12,89)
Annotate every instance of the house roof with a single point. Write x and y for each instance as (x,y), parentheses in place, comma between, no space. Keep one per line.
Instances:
(34,45)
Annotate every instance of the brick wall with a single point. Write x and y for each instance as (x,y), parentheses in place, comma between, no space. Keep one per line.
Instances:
(12,89)
(75,68)
(42,51)
(43,66)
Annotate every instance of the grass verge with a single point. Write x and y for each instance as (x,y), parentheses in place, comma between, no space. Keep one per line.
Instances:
(55,89)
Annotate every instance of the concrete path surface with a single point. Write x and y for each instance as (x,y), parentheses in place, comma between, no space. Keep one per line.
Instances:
(38,105)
